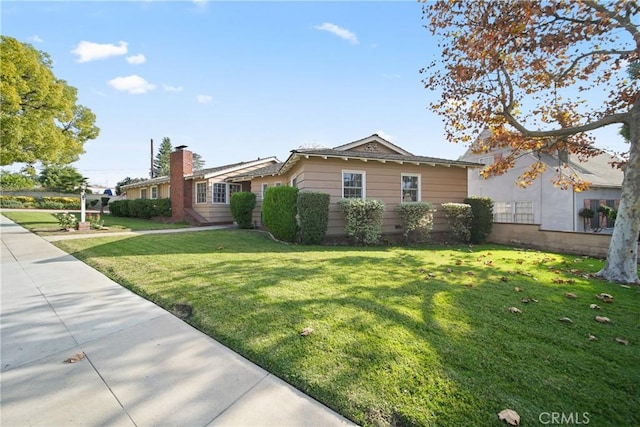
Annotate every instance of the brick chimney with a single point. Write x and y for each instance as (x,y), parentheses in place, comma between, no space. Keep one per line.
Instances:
(181,165)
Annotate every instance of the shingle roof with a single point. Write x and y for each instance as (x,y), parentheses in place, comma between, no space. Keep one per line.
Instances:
(147,182)
(597,170)
(383,157)
(273,169)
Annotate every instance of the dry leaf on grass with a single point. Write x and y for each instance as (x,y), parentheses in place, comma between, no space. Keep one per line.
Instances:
(449,270)
(605,297)
(625,286)
(504,279)
(509,416)
(594,306)
(518,289)
(565,320)
(570,295)
(76,358)
(621,341)
(469,273)
(458,262)
(592,337)
(515,310)
(602,319)
(306,331)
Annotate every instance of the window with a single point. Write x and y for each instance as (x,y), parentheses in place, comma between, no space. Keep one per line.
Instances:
(220,192)
(294,181)
(410,188)
(143,193)
(264,189)
(502,211)
(201,192)
(278,184)
(516,212)
(523,213)
(234,188)
(154,192)
(353,184)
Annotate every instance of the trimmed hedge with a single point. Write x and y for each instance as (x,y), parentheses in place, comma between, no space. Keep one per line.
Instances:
(42,203)
(459,217)
(242,205)
(363,220)
(63,202)
(482,217)
(313,213)
(141,208)
(279,209)
(416,217)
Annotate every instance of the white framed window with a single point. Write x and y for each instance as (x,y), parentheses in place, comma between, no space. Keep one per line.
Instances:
(277,184)
(294,181)
(154,192)
(143,193)
(219,192)
(353,184)
(201,192)
(234,188)
(502,212)
(410,187)
(264,189)
(523,212)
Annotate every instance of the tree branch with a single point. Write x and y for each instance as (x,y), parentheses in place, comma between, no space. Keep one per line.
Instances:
(607,120)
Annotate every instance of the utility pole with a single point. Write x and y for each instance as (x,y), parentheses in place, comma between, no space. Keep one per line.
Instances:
(151,170)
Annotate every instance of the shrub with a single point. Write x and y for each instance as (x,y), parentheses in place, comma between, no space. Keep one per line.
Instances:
(119,208)
(66,220)
(416,217)
(279,212)
(482,217)
(11,203)
(459,217)
(363,218)
(313,213)
(95,222)
(242,205)
(162,207)
(141,208)
(61,202)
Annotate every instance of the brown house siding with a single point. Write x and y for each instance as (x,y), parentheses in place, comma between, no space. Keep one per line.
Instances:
(439,184)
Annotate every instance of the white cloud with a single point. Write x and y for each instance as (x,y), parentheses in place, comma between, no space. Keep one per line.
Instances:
(36,39)
(136,59)
(170,88)
(343,33)
(133,84)
(384,135)
(88,51)
(204,99)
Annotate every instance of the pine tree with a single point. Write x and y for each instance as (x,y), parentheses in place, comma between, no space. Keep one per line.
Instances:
(162,160)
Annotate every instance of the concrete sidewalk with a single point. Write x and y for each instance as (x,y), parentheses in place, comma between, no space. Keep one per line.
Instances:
(143,366)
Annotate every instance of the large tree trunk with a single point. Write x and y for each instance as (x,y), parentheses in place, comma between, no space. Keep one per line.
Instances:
(622,258)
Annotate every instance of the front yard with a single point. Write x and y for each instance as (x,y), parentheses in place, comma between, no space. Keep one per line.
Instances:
(401,336)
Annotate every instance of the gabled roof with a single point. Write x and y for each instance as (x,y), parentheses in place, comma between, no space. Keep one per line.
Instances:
(227,169)
(147,182)
(373,138)
(367,156)
(270,170)
(597,170)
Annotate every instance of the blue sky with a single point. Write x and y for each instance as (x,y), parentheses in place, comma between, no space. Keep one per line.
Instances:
(235,81)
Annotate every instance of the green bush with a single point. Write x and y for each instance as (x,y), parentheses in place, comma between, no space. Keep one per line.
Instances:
(459,217)
(279,212)
(363,220)
(482,217)
(50,204)
(119,208)
(162,207)
(313,213)
(10,203)
(242,205)
(141,208)
(62,202)
(417,218)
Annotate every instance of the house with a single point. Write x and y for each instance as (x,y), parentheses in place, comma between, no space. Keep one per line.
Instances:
(371,167)
(542,202)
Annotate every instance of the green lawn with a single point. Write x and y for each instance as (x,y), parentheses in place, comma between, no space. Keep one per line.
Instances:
(46,224)
(401,336)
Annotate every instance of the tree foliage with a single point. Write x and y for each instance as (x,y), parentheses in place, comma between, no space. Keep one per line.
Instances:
(529,72)
(125,181)
(16,181)
(161,164)
(40,118)
(197,162)
(61,178)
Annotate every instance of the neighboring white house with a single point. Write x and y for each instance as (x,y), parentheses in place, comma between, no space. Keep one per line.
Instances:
(543,203)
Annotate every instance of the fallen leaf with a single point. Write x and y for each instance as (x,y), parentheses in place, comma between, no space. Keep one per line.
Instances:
(621,341)
(504,279)
(604,296)
(515,310)
(570,295)
(592,337)
(449,270)
(489,263)
(565,320)
(431,275)
(220,248)
(469,273)
(594,306)
(563,281)
(76,358)
(422,270)
(518,289)
(519,261)
(603,319)
(525,300)
(625,286)
(510,416)
(458,262)
(306,331)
